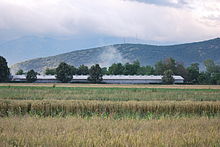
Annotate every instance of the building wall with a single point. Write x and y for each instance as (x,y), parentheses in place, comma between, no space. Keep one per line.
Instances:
(108,81)
(131,81)
(47,81)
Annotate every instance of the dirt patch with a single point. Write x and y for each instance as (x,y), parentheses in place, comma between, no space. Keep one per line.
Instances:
(113,85)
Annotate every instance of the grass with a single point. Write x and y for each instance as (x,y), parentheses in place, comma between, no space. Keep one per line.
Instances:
(107,93)
(99,132)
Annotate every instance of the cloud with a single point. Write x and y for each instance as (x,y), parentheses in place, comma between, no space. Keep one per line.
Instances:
(158,20)
(169,3)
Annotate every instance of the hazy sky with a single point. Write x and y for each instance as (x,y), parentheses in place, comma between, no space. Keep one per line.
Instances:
(157,20)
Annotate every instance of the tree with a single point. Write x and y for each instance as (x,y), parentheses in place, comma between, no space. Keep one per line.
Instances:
(20,72)
(131,69)
(211,67)
(95,74)
(83,70)
(73,70)
(204,78)
(149,70)
(64,72)
(105,71)
(50,71)
(182,71)
(168,77)
(31,76)
(170,64)
(213,70)
(4,70)
(215,78)
(159,68)
(116,69)
(142,71)
(193,73)
(145,70)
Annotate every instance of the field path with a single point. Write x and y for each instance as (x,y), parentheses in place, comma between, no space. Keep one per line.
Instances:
(112,85)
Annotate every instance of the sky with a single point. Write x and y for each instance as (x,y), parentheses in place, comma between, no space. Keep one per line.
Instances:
(36,28)
(172,21)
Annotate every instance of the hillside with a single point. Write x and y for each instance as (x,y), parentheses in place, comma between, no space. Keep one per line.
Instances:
(146,54)
(31,47)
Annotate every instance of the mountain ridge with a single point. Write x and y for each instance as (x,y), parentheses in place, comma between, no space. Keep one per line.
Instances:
(147,55)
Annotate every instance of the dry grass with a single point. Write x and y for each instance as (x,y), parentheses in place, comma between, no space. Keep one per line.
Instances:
(76,116)
(113,85)
(74,131)
(108,108)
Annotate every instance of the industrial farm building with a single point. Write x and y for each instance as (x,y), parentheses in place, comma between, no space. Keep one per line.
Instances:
(108,79)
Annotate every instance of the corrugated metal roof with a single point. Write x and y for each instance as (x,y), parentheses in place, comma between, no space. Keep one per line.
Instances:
(105,77)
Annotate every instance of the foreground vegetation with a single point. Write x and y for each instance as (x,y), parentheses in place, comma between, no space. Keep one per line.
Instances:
(131,109)
(96,131)
(107,93)
(109,115)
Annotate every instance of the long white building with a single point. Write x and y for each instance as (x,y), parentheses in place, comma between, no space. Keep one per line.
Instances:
(109,79)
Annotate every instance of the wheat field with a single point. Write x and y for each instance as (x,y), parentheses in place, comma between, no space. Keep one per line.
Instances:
(99,132)
(109,115)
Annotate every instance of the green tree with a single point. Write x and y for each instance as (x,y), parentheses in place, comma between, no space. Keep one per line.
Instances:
(159,68)
(168,77)
(95,74)
(150,70)
(204,78)
(4,70)
(215,78)
(145,70)
(166,64)
(73,70)
(193,73)
(64,72)
(105,71)
(213,70)
(83,70)
(20,72)
(31,76)
(182,71)
(211,67)
(131,69)
(50,71)
(142,71)
(170,64)
(116,69)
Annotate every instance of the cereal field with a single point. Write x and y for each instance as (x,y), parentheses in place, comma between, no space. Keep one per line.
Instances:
(109,115)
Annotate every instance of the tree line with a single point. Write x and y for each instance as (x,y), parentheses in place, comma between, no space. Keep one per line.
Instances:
(167,67)
(64,73)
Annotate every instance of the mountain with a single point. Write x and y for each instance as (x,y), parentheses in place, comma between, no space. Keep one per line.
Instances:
(146,54)
(29,47)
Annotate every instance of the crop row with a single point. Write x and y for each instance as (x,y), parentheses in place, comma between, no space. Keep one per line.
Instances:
(108,108)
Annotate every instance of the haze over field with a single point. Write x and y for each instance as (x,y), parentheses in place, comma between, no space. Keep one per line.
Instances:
(39,28)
